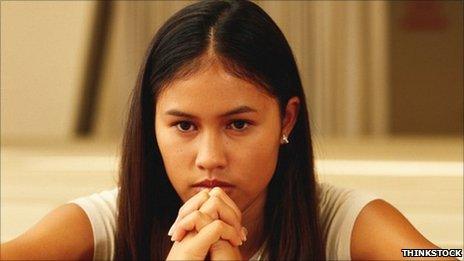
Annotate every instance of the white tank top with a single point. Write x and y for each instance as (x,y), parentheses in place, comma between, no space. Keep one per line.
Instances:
(339,209)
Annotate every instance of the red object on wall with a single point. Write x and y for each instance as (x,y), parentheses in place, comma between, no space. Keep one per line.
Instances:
(424,16)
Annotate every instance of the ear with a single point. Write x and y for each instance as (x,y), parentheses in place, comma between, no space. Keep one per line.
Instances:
(291,114)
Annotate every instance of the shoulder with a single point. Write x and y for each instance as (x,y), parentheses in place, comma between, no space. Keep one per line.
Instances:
(101,211)
(102,202)
(381,231)
(81,229)
(64,233)
(339,204)
(338,209)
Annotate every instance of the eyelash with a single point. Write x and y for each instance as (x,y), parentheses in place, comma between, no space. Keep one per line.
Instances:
(246,125)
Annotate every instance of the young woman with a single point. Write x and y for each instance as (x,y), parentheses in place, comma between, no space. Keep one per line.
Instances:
(217,161)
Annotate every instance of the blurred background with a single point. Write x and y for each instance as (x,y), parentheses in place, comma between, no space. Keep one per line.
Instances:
(383,80)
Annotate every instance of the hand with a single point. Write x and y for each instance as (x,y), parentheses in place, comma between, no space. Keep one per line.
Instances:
(196,233)
(215,203)
(223,250)
(195,245)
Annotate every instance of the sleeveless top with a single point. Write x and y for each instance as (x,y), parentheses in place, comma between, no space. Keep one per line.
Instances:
(339,208)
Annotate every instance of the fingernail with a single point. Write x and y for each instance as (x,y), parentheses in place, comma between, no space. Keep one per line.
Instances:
(172,227)
(244,233)
(174,237)
(171,230)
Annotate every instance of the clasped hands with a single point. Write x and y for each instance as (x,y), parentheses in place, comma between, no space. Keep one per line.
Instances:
(209,222)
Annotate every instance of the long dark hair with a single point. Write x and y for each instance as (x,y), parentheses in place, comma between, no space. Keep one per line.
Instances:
(250,46)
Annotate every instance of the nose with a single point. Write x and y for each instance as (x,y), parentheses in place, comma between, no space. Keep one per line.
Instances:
(211,154)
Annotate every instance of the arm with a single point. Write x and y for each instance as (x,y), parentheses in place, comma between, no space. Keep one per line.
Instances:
(381,231)
(64,233)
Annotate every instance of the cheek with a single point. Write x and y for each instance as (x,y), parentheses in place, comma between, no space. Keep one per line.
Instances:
(256,165)
(171,147)
(257,161)
(173,154)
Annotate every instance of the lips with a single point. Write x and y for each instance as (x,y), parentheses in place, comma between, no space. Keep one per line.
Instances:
(211,183)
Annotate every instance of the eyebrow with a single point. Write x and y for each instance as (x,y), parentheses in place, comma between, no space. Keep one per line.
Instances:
(238,110)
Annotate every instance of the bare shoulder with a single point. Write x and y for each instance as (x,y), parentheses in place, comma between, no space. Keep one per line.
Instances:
(64,233)
(381,231)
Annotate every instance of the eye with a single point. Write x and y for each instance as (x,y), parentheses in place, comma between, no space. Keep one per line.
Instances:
(187,126)
(184,126)
(239,125)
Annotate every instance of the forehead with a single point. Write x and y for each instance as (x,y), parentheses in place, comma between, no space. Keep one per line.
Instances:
(215,89)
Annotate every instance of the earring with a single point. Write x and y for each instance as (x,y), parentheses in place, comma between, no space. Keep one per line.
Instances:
(284,139)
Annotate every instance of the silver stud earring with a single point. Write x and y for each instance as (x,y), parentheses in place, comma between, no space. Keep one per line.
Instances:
(284,139)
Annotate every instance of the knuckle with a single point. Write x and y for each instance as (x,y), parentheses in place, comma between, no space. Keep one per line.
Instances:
(209,211)
(197,214)
(218,225)
(216,191)
(209,204)
(215,201)
(181,210)
(211,207)
(204,195)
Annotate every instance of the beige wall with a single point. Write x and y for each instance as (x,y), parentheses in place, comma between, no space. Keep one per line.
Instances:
(43,49)
(343,50)
(427,72)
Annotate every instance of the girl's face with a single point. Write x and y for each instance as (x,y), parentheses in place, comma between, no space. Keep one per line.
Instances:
(215,126)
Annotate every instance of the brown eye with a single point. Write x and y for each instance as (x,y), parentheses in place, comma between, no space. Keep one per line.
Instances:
(184,126)
(239,125)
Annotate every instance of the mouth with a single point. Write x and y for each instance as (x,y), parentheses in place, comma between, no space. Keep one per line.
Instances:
(211,183)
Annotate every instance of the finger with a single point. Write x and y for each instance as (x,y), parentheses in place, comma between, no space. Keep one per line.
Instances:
(216,208)
(193,221)
(190,205)
(218,192)
(216,230)
(193,203)
(224,250)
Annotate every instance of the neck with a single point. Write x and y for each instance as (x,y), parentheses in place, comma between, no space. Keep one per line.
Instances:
(253,220)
